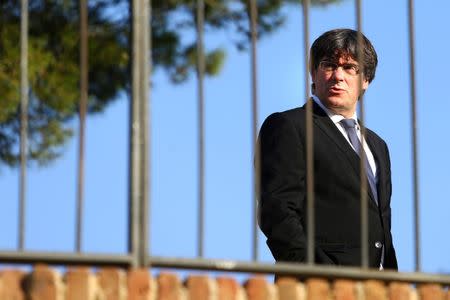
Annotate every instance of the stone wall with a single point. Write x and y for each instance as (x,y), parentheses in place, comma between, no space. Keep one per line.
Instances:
(44,283)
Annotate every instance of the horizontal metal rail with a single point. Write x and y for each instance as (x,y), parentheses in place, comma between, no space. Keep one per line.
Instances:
(298,270)
(61,258)
(288,269)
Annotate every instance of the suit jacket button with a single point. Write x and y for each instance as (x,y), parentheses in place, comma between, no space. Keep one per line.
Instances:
(378,245)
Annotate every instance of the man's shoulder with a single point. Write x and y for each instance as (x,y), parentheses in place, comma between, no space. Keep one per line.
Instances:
(372,135)
(291,120)
(291,115)
(294,112)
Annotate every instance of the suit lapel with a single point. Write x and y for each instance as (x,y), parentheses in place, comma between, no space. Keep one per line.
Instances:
(380,161)
(323,122)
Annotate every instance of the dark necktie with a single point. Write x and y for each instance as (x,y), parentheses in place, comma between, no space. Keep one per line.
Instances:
(350,128)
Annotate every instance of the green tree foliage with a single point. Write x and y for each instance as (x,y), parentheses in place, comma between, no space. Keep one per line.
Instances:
(54,59)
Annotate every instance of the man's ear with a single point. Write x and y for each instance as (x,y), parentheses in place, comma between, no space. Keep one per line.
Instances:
(365,84)
(313,75)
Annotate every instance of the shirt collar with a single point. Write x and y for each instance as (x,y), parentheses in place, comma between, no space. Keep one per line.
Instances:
(336,118)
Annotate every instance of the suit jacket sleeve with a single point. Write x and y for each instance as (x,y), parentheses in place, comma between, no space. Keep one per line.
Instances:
(391,258)
(282,197)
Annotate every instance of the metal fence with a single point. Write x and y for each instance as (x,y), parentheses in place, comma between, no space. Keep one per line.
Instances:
(139,202)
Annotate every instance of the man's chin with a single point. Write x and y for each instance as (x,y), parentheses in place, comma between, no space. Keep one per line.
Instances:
(339,106)
(336,101)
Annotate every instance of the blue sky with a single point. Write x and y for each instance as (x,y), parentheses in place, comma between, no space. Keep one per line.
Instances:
(51,190)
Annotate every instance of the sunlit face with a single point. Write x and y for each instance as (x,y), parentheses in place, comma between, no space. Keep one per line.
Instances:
(338,88)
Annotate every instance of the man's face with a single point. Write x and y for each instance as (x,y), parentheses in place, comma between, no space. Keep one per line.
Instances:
(338,88)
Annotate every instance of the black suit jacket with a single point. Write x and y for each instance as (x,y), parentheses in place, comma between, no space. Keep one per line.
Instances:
(282,204)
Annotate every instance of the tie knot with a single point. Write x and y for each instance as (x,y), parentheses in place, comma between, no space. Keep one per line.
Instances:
(348,123)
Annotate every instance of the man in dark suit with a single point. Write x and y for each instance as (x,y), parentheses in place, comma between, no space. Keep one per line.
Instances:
(336,88)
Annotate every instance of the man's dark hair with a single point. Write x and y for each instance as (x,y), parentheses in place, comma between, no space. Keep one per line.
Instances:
(337,43)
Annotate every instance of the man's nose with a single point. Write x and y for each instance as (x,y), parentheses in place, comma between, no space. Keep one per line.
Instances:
(338,73)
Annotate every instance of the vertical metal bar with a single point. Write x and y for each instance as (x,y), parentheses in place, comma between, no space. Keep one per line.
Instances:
(23,119)
(144,119)
(414,135)
(363,188)
(257,173)
(201,131)
(135,129)
(82,117)
(309,143)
